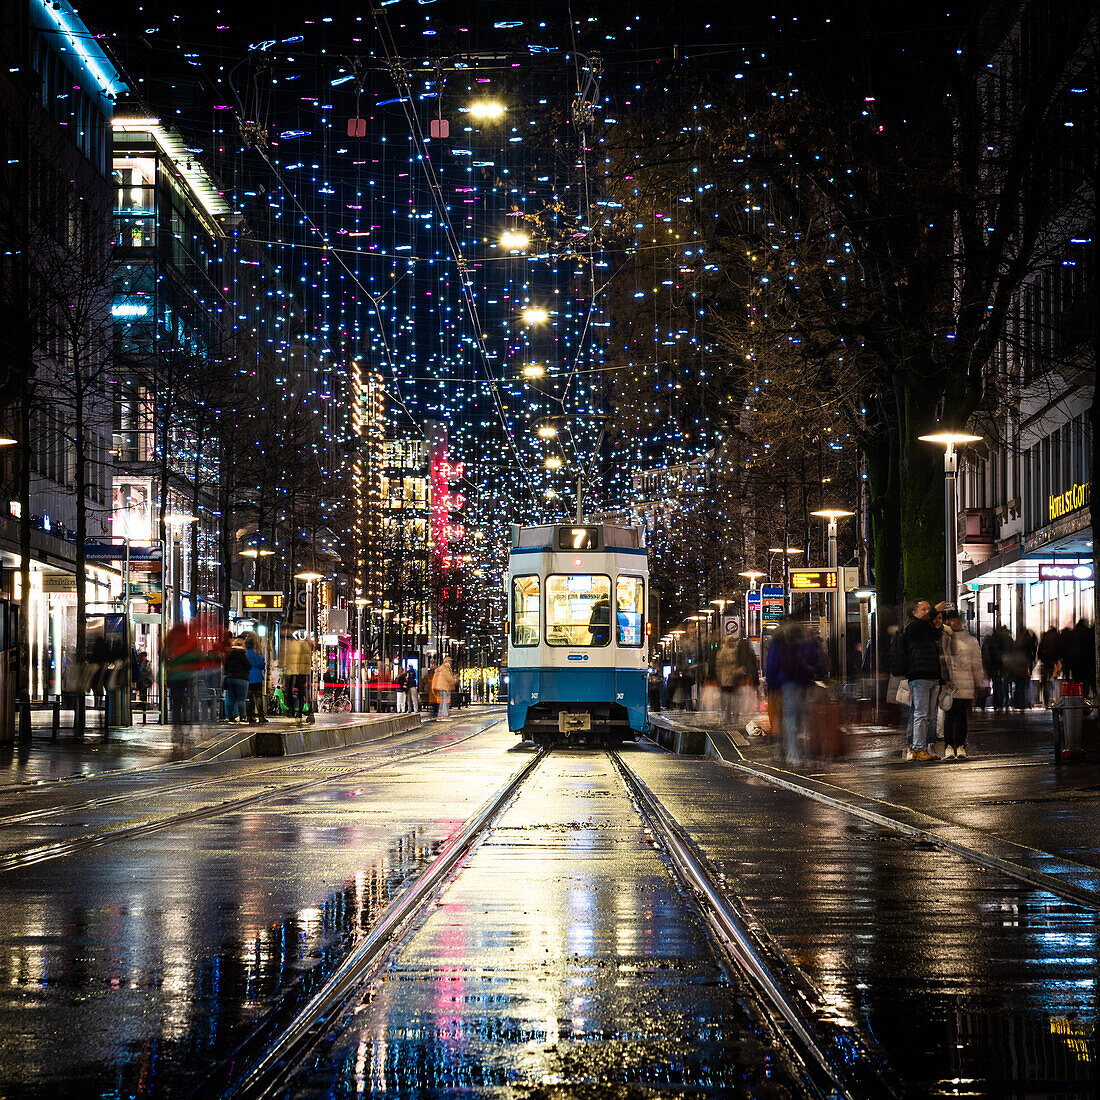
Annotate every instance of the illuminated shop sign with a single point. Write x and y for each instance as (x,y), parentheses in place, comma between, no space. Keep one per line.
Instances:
(1069,501)
(1078,572)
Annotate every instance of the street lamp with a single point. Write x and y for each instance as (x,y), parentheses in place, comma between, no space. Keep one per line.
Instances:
(753,576)
(360,603)
(536,315)
(950,440)
(838,627)
(513,240)
(311,579)
(786,551)
(485,109)
(832,515)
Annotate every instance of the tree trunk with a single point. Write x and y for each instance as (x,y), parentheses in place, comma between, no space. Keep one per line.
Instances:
(224,542)
(81,534)
(24,686)
(922,516)
(885,508)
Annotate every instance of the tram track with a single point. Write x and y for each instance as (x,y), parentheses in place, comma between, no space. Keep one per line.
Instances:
(822,1054)
(44,853)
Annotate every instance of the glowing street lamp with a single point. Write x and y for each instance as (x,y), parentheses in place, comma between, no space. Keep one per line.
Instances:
(949,441)
(536,315)
(547,431)
(533,370)
(832,515)
(553,463)
(514,240)
(486,109)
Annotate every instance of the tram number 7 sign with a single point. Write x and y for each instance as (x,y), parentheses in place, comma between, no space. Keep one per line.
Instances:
(813,580)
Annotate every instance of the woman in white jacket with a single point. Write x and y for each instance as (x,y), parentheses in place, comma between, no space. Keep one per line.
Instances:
(965,677)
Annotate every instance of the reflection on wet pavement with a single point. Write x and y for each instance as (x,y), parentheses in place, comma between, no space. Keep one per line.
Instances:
(249,988)
(959,973)
(562,954)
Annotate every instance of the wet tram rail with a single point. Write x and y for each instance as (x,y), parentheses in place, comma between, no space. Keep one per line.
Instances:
(677,992)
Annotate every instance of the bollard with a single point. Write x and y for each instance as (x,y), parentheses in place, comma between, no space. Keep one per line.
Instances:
(1073,712)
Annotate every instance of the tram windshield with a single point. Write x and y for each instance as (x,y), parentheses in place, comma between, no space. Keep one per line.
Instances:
(525,609)
(578,609)
(630,609)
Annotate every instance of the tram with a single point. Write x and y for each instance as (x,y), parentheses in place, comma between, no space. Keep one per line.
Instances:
(578,647)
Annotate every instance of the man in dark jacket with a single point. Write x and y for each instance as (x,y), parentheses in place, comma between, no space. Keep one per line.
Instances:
(922,652)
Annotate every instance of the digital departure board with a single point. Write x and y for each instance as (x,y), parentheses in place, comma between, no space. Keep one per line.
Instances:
(812,580)
(261,601)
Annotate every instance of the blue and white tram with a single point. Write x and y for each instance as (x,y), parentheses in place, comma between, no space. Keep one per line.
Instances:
(578,649)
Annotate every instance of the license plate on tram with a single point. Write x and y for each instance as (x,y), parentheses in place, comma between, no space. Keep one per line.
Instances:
(572,723)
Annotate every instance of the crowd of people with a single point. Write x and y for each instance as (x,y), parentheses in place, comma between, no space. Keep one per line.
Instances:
(938,675)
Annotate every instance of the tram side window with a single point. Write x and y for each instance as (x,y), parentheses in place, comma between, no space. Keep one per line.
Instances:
(578,609)
(525,610)
(630,610)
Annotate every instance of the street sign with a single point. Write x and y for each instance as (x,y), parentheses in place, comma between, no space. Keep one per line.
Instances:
(771,602)
(261,601)
(813,580)
(116,551)
(731,626)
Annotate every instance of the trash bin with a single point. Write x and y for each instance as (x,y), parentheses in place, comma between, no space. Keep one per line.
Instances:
(1072,712)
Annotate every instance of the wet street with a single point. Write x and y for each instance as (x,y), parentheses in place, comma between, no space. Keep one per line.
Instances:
(163,926)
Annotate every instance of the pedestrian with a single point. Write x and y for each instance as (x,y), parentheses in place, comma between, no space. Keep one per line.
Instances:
(731,674)
(1082,657)
(672,689)
(1049,653)
(412,696)
(429,683)
(399,686)
(965,679)
(924,671)
(443,684)
(179,655)
(296,662)
(653,689)
(237,669)
(257,675)
(1022,660)
(994,657)
(789,670)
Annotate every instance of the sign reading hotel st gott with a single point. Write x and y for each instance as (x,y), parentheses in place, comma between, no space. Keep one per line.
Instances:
(1077,496)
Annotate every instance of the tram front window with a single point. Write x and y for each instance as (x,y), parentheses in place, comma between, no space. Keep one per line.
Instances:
(578,609)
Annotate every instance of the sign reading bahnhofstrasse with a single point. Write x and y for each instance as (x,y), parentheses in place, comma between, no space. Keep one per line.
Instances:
(812,580)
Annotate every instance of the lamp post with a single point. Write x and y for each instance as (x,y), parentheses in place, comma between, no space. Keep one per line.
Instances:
(838,624)
(357,702)
(310,579)
(753,576)
(950,440)
(786,551)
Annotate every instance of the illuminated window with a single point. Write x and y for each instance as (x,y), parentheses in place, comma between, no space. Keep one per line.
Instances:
(630,610)
(525,610)
(578,609)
